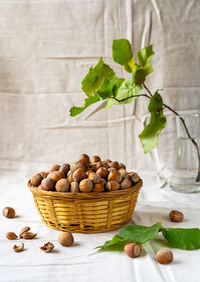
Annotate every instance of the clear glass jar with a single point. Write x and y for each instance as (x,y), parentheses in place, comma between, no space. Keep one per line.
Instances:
(186,160)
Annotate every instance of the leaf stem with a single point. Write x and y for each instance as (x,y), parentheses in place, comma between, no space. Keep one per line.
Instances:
(122,100)
(147,90)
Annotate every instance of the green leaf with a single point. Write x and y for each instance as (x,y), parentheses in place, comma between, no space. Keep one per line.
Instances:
(121,51)
(116,242)
(138,75)
(96,77)
(106,89)
(182,238)
(149,136)
(139,233)
(74,111)
(128,89)
(144,55)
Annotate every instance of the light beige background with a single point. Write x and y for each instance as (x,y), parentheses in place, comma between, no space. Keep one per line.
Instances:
(47,47)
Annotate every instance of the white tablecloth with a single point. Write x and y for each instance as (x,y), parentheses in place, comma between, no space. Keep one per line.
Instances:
(80,262)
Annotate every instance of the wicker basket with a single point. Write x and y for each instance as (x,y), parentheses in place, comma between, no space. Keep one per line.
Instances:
(86,212)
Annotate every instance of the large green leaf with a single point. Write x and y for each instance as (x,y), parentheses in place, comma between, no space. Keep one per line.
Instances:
(74,111)
(182,238)
(96,77)
(139,233)
(121,51)
(117,242)
(149,136)
(106,89)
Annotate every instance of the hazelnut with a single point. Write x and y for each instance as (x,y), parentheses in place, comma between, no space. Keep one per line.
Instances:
(89,171)
(70,178)
(29,235)
(95,178)
(69,173)
(111,169)
(124,173)
(57,175)
(85,185)
(176,216)
(86,165)
(104,164)
(114,164)
(11,236)
(84,157)
(103,181)
(114,175)
(107,161)
(97,165)
(48,247)
(62,185)
(47,184)
(55,167)
(79,174)
(66,239)
(44,174)
(102,172)
(18,248)
(134,177)
(36,179)
(76,165)
(64,168)
(112,186)
(24,229)
(8,212)
(126,183)
(98,187)
(121,165)
(95,159)
(75,187)
(133,250)
(164,256)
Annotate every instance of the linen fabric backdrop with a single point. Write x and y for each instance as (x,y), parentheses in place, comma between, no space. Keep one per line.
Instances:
(46,49)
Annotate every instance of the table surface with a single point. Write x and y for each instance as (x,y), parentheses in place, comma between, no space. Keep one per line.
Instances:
(80,262)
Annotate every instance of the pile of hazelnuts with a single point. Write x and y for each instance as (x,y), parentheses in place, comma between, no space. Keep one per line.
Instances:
(86,175)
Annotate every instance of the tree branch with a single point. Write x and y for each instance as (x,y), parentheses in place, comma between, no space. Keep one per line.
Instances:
(147,90)
(122,100)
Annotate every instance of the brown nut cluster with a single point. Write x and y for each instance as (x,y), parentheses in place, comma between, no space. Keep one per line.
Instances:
(86,175)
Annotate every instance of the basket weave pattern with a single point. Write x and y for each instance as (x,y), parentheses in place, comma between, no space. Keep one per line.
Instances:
(86,212)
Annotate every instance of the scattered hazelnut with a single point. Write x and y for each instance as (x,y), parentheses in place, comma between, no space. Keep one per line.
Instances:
(44,174)
(114,164)
(98,187)
(11,236)
(29,235)
(176,216)
(76,165)
(102,172)
(64,168)
(79,174)
(18,248)
(55,167)
(66,239)
(126,183)
(57,175)
(75,187)
(24,229)
(48,247)
(62,185)
(85,185)
(95,178)
(133,250)
(164,256)
(95,159)
(114,175)
(47,184)
(121,165)
(112,186)
(36,179)
(134,177)
(8,212)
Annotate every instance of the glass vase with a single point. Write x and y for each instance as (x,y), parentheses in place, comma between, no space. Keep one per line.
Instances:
(185,175)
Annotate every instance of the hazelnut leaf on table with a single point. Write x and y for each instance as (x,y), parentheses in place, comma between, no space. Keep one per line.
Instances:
(181,238)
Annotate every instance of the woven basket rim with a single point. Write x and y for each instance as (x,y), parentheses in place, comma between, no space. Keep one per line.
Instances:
(85,196)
